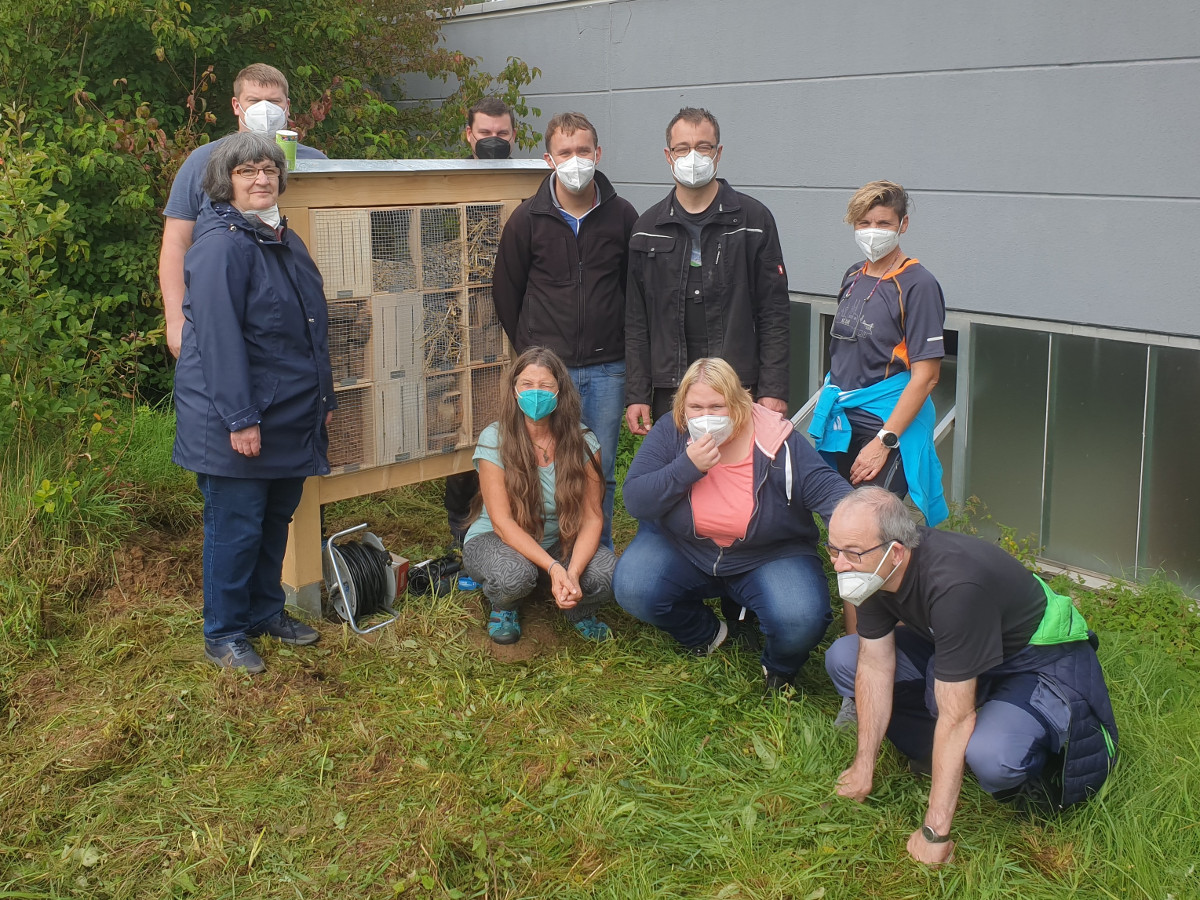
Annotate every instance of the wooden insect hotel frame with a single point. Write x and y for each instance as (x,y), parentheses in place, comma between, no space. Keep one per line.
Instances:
(406,249)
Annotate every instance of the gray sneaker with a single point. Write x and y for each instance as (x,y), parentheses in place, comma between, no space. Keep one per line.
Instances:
(288,630)
(847,716)
(234,655)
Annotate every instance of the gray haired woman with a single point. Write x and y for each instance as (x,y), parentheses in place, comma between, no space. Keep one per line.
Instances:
(253,393)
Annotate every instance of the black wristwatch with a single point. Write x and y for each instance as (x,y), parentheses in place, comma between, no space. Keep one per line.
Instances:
(932,837)
(889,439)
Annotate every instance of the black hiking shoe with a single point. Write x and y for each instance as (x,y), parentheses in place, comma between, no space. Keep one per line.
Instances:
(288,630)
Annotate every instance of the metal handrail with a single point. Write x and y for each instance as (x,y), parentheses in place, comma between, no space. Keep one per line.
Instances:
(939,432)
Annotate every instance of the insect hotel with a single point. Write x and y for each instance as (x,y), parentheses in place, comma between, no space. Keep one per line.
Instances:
(406,249)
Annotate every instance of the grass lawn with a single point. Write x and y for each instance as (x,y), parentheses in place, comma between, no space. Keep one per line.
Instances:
(424,762)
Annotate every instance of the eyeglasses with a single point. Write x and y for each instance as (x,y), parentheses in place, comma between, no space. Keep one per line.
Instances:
(251,173)
(853,556)
(681,150)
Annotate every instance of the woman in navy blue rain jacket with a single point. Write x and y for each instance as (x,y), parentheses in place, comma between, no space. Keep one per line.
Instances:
(724,492)
(253,393)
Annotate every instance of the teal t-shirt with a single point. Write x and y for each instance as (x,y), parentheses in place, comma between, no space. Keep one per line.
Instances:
(489,448)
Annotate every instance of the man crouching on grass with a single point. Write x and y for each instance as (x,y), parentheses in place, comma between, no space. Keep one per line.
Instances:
(990,669)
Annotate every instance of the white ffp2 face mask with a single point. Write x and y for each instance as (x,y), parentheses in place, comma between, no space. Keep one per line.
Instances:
(694,170)
(876,243)
(269,216)
(855,587)
(720,427)
(265,117)
(576,173)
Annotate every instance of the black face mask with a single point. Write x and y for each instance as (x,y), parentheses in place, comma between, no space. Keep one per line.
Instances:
(492,148)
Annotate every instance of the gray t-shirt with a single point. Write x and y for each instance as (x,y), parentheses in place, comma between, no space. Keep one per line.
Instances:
(895,321)
(489,448)
(186,195)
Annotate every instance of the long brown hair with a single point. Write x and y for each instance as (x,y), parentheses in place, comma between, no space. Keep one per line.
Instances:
(572,456)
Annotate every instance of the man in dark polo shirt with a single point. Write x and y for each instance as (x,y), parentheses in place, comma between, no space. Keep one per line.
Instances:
(964,659)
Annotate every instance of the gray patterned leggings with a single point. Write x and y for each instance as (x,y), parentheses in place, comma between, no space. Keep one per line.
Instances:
(507,577)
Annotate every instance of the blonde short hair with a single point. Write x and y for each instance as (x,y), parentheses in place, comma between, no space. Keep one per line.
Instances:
(260,73)
(878,193)
(718,375)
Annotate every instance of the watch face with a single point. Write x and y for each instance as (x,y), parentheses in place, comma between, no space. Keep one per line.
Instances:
(932,836)
(889,439)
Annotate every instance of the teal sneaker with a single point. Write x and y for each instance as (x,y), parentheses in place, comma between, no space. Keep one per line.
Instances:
(504,627)
(592,629)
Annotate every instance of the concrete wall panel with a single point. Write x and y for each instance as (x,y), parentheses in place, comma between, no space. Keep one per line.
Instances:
(1050,147)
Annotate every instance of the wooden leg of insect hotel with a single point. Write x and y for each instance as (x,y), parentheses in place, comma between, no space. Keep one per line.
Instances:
(302,575)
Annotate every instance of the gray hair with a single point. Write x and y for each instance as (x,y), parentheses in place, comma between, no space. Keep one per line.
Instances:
(892,519)
(239,149)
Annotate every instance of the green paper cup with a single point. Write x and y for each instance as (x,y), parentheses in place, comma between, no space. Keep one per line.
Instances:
(287,141)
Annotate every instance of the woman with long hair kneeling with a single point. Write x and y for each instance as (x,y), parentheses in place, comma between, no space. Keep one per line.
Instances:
(542,486)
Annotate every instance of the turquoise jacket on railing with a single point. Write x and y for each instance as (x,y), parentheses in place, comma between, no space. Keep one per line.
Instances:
(831,428)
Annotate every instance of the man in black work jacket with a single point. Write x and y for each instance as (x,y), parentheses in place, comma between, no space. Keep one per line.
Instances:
(560,280)
(706,278)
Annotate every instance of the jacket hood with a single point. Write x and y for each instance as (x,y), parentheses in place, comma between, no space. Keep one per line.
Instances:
(221,216)
(770,429)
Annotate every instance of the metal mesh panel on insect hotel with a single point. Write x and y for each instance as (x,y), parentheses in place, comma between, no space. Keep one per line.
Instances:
(486,385)
(394,251)
(350,341)
(487,336)
(441,247)
(484,224)
(443,326)
(446,411)
(352,431)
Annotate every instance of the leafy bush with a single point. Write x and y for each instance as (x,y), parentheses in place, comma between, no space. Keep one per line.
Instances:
(103,102)
(100,103)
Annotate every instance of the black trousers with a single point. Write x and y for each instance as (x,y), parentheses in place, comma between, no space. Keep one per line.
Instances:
(461,489)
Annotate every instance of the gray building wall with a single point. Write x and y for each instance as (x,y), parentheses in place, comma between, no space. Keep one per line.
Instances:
(1051,147)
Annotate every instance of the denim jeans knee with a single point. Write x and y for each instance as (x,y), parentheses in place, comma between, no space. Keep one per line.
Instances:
(656,584)
(602,396)
(790,596)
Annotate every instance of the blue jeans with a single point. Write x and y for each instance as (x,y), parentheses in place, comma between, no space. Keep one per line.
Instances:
(657,584)
(602,392)
(245,534)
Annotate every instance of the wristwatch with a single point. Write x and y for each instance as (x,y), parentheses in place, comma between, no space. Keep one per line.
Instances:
(932,837)
(889,439)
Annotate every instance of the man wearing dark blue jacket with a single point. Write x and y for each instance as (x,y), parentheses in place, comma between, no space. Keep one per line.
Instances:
(964,659)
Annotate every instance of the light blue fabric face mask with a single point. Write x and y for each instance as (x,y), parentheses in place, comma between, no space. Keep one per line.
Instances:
(536,403)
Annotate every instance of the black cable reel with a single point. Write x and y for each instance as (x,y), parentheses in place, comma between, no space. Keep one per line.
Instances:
(359,578)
